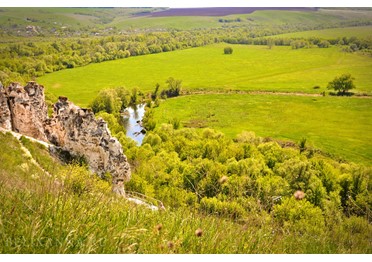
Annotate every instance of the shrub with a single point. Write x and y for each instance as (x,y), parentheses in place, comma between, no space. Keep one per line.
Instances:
(299,216)
(323,44)
(228,50)
(225,209)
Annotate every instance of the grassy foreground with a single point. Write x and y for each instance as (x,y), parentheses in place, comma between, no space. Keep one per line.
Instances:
(73,212)
(248,68)
(335,125)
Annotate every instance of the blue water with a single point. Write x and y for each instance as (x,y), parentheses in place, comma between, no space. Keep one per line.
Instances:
(132,122)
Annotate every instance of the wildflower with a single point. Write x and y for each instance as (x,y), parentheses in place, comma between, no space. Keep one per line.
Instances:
(223,179)
(199,232)
(158,227)
(170,245)
(299,195)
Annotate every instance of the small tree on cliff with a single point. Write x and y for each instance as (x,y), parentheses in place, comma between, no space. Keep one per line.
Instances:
(342,84)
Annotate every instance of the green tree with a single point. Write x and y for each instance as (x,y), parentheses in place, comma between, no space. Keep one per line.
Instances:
(154,95)
(174,87)
(342,84)
(270,43)
(323,44)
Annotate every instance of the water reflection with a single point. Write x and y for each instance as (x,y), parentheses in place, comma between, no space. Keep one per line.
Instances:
(132,121)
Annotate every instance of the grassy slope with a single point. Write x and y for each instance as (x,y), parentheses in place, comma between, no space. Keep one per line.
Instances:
(334,33)
(38,215)
(257,17)
(122,18)
(184,22)
(54,17)
(248,68)
(333,124)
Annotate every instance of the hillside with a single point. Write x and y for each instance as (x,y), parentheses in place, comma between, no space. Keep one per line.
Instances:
(46,21)
(72,211)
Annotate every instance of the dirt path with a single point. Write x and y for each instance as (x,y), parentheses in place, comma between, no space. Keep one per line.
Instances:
(25,150)
(243,92)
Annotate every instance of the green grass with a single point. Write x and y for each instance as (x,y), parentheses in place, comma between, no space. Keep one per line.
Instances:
(256,18)
(178,22)
(336,125)
(248,68)
(362,32)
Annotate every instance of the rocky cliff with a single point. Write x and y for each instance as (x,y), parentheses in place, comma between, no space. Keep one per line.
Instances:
(73,129)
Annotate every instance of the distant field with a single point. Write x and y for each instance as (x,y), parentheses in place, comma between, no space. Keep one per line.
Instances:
(363,32)
(89,20)
(222,11)
(337,125)
(260,17)
(248,68)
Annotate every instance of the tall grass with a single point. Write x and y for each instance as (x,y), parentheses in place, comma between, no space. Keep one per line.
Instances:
(41,214)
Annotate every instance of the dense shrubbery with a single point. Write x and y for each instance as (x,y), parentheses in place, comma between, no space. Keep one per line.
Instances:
(227,177)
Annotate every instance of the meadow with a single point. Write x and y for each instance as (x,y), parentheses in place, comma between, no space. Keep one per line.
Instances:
(335,125)
(207,68)
(267,17)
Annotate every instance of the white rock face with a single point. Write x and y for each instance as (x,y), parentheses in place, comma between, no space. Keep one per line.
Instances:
(5,118)
(73,129)
(28,110)
(76,130)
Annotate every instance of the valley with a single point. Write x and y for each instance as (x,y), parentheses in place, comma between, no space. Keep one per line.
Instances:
(252,130)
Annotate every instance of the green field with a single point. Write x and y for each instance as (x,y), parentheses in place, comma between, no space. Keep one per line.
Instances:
(337,125)
(362,32)
(248,68)
(271,17)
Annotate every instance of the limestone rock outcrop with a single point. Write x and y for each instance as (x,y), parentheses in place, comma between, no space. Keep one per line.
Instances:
(28,110)
(76,130)
(5,117)
(73,129)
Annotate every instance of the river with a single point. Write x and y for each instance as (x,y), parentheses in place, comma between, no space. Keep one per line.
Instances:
(132,120)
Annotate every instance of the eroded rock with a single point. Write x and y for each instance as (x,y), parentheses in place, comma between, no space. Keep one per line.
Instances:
(76,130)
(28,109)
(5,117)
(73,129)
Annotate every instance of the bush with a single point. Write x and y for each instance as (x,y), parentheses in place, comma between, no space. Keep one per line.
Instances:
(299,216)
(225,209)
(323,44)
(228,50)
